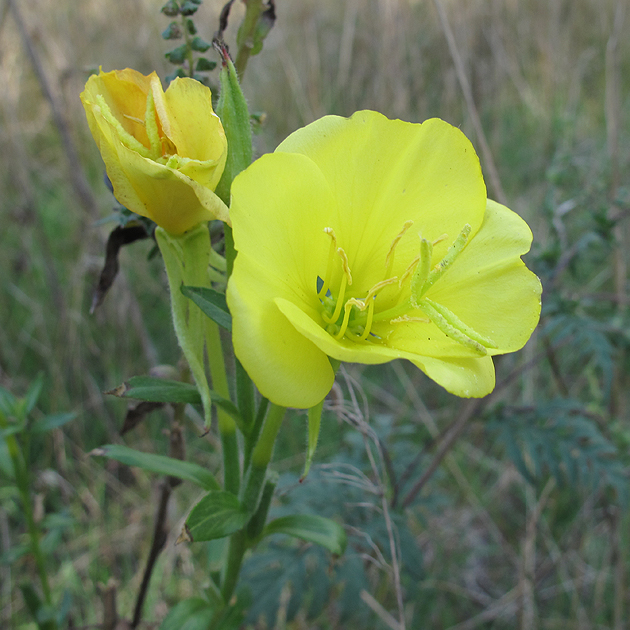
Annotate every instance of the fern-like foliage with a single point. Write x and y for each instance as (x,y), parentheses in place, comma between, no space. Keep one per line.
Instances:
(562,439)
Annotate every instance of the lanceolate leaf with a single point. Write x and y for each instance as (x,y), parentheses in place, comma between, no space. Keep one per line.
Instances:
(53,421)
(212,303)
(159,464)
(191,614)
(316,529)
(217,515)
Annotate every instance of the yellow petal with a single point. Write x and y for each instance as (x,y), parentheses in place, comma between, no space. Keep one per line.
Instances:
(189,121)
(468,378)
(385,172)
(489,287)
(280,207)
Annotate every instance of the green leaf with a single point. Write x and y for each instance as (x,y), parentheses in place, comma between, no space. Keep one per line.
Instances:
(53,421)
(153,389)
(8,402)
(212,303)
(316,529)
(159,464)
(217,515)
(191,614)
(32,395)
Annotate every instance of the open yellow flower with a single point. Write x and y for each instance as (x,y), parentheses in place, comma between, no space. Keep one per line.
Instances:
(164,151)
(366,240)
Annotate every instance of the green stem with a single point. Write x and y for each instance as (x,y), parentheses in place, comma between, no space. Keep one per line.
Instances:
(250,496)
(247,31)
(22,479)
(236,551)
(227,426)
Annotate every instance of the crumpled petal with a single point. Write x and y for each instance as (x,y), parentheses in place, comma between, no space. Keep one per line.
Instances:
(177,195)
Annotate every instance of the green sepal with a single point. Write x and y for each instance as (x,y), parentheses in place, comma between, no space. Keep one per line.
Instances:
(186,258)
(234,114)
(212,303)
(160,464)
(217,515)
(316,529)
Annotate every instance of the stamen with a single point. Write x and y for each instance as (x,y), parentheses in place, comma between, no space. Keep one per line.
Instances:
(389,259)
(421,273)
(126,138)
(346,266)
(346,318)
(457,323)
(451,331)
(408,318)
(439,239)
(368,324)
(340,297)
(378,286)
(331,254)
(453,252)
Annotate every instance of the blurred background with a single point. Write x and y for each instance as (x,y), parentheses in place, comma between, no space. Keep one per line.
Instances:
(510,512)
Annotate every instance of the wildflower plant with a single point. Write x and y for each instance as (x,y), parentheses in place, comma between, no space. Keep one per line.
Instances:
(359,240)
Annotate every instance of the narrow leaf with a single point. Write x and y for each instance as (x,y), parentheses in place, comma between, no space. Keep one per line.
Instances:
(212,303)
(217,515)
(316,529)
(152,389)
(53,421)
(159,464)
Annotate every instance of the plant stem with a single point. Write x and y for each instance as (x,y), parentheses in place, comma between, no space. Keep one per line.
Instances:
(250,498)
(227,426)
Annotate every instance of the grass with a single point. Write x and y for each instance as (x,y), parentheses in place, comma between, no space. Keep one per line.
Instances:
(549,83)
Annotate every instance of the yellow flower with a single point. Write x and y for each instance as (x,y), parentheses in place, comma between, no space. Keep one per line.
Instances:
(164,151)
(367,240)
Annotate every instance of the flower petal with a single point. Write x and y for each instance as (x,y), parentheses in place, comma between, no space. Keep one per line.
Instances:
(489,287)
(386,172)
(189,121)
(280,207)
(468,378)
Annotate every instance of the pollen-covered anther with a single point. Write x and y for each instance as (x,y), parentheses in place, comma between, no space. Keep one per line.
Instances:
(407,318)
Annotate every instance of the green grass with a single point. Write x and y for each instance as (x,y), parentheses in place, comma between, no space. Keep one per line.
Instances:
(497,552)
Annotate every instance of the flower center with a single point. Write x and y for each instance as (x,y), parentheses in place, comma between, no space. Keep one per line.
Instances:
(353,318)
(161,149)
